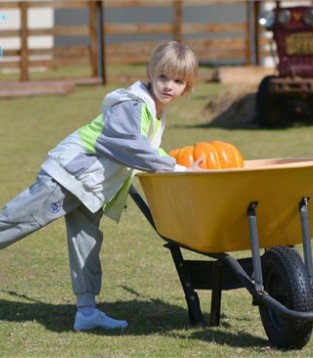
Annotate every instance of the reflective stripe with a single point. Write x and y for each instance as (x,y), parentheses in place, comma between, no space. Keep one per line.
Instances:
(90,132)
(145,120)
(162,152)
(148,126)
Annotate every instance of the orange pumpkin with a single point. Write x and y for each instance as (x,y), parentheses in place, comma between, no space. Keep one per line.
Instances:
(229,155)
(173,152)
(183,156)
(209,153)
(216,155)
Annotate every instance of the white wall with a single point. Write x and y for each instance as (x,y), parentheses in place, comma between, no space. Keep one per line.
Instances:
(37,18)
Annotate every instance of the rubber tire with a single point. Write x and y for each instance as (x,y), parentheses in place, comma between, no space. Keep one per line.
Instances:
(269,109)
(285,279)
(299,109)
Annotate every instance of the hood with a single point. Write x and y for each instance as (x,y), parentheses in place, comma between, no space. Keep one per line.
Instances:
(136,91)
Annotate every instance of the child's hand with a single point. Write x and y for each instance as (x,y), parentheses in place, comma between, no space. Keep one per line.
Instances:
(195,165)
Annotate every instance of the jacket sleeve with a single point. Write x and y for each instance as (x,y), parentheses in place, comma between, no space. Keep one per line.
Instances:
(122,140)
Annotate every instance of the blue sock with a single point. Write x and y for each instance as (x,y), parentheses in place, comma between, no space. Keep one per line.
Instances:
(87,310)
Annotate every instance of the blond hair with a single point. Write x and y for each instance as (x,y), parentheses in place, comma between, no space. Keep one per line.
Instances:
(174,59)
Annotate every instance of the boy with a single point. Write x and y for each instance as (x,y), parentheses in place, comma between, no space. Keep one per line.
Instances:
(88,174)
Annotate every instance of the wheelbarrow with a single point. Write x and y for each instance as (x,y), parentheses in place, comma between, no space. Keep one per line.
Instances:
(262,209)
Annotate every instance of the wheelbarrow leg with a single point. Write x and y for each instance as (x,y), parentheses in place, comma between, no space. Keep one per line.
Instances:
(255,250)
(306,236)
(192,299)
(216,294)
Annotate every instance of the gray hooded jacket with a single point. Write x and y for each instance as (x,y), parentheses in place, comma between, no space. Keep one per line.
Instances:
(97,162)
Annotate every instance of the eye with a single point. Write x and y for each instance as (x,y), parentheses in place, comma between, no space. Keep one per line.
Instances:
(163,77)
(180,82)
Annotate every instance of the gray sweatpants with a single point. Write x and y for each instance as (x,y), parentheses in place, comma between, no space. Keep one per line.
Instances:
(44,202)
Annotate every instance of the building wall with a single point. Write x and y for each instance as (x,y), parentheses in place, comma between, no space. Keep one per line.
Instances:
(37,18)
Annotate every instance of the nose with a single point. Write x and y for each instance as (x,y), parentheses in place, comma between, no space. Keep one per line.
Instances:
(169,85)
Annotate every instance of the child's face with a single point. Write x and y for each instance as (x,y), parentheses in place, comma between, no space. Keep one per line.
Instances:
(166,89)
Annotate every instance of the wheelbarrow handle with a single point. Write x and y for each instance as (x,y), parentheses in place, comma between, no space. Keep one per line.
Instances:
(264,297)
(142,205)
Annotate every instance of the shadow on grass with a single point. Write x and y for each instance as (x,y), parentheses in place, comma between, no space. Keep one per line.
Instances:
(145,317)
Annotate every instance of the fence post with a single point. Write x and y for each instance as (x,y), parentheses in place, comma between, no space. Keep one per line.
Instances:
(96,40)
(249,33)
(24,73)
(257,39)
(253,35)
(93,37)
(101,41)
(177,26)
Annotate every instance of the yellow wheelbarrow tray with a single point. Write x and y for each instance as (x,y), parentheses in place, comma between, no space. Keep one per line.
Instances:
(206,211)
(263,205)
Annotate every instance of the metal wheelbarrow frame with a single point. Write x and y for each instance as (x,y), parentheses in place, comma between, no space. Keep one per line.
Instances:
(288,328)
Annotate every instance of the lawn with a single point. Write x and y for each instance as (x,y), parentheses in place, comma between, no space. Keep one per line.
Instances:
(140,283)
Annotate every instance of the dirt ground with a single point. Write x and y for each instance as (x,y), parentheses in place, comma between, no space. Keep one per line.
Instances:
(235,108)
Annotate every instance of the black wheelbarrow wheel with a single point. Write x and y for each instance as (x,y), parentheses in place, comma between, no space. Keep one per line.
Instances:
(286,280)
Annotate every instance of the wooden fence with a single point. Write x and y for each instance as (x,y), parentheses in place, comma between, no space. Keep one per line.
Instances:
(231,41)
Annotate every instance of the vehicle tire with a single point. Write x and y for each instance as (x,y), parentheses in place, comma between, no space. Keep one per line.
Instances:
(310,104)
(286,280)
(269,108)
(297,110)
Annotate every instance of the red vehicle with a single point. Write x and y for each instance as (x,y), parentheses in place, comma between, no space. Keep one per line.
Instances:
(287,98)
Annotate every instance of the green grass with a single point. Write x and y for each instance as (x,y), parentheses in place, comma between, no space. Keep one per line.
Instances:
(140,283)
(70,72)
